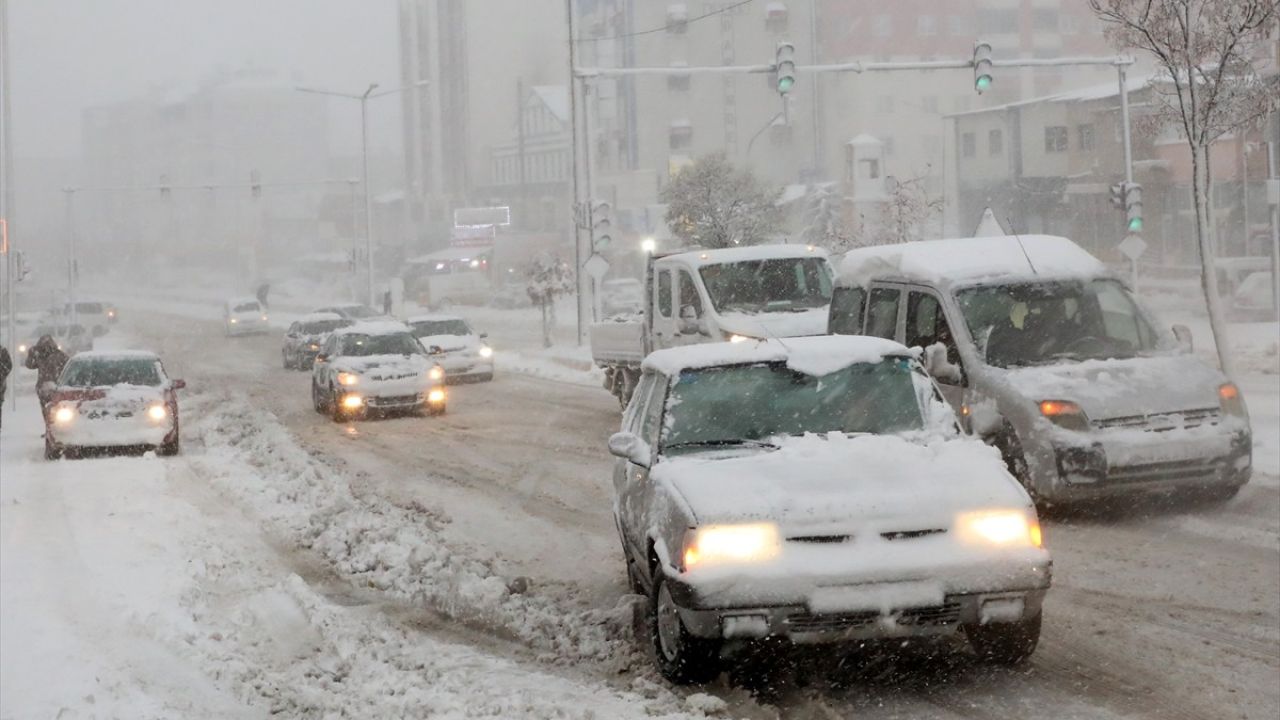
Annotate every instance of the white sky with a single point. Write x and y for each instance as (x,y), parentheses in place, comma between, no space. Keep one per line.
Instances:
(71,54)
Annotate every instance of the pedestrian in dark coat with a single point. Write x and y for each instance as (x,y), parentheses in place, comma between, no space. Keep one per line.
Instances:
(6,365)
(47,359)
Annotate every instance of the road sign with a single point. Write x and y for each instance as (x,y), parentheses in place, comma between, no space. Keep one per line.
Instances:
(596,267)
(1132,247)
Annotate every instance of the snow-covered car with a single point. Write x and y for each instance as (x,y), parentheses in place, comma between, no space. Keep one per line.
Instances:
(245,316)
(305,336)
(113,399)
(1054,361)
(817,490)
(375,367)
(462,352)
(352,311)
(1252,301)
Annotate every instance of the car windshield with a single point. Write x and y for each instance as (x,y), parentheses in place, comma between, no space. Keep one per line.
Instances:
(1044,323)
(748,404)
(755,286)
(427,328)
(393,344)
(246,308)
(359,312)
(317,327)
(99,372)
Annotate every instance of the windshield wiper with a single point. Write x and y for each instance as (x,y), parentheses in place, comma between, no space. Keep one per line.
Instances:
(734,442)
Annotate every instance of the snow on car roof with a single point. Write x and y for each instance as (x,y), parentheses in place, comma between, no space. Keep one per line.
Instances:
(117,355)
(433,317)
(969,259)
(815,355)
(699,258)
(373,327)
(319,317)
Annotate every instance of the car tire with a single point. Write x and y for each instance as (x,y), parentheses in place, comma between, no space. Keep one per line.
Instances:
(51,450)
(170,449)
(335,408)
(681,658)
(284,356)
(437,411)
(487,377)
(317,403)
(1005,643)
(1015,459)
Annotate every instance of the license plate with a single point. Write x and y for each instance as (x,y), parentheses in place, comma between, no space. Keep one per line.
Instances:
(884,597)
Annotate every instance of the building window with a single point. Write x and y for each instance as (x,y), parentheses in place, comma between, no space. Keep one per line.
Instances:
(926,25)
(995,141)
(929,103)
(1086,137)
(681,135)
(882,25)
(870,169)
(775,17)
(1055,139)
(968,144)
(677,18)
(884,104)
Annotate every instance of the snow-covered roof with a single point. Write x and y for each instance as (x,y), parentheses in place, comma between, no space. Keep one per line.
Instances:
(319,317)
(971,259)
(433,317)
(556,98)
(117,355)
(373,327)
(700,258)
(817,355)
(791,193)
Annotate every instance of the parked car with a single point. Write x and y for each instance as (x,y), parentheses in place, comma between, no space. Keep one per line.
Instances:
(375,367)
(352,311)
(1253,301)
(816,490)
(245,316)
(1054,361)
(115,399)
(305,336)
(462,352)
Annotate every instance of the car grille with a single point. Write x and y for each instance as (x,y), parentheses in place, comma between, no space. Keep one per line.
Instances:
(1165,421)
(394,400)
(937,616)
(397,376)
(911,534)
(1167,471)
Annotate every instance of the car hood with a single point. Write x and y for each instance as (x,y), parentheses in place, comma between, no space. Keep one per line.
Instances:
(775,324)
(834,483)
(1123,388)
(383,367)
(113,398)
(450,343)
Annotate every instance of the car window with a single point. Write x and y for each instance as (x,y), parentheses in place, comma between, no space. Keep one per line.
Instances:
(293,328)
(426,328)
(101,372)
(639,400)
(654,408)
(689,297)
(927,324)
(846,311)
(246,307)
(361,345)
(664,293)
(882,315)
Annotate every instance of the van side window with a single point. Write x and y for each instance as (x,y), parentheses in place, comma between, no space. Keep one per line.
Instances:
(664,293)
(639,401)
(927,324)
(689,296)
(882,313)
(846,311)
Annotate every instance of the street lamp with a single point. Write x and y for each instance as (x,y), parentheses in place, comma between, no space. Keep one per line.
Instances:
(364,99)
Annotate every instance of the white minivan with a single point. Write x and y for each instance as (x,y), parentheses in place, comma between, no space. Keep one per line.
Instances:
(244,316)
(1053,360)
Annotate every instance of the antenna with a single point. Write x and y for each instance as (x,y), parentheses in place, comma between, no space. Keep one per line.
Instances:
(1021,247)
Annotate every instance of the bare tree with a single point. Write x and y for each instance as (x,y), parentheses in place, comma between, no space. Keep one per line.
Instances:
(546,279)
(1208,51)
(826,219)
(713,204)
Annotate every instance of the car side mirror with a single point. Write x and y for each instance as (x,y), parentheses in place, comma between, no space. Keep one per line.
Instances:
(179,384)
(937,364)
(630,447)
(484,336)
(435,350)
(322,357)
(1182,334)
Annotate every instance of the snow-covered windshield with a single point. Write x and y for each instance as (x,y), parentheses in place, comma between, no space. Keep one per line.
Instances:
(755,286)
(246,307)
(427,328)
(1040,323)
(318,327)
(393,344)
(751,403)
(102,372)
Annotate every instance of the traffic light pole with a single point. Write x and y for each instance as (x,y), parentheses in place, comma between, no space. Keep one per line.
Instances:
(1128,151)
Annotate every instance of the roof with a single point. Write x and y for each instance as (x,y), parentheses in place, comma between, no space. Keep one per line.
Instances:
(117,355)
(814,355)
(556,98)
(433,317)
(373,327)
(970,259)
(319,317)
(699,258)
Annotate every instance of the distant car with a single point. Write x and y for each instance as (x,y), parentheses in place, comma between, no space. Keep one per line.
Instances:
(305,336)
(816,491)
(510,296)
(117,399)
(113,313)
(375,367)
(91,314)
(622,296)
(245,316)
(71,339)
(352,311)
(1252,301)
(464,354)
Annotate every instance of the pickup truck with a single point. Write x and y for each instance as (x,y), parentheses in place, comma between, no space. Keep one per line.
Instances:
(704,296)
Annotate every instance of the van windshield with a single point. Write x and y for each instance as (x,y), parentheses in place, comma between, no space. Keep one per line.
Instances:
(1035,323)
(783,284)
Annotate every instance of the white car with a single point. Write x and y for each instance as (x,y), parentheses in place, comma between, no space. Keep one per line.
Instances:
(352,311)
(464,354)
(375,367)
(245,316)
(116,399)
(816,490)
(95,316)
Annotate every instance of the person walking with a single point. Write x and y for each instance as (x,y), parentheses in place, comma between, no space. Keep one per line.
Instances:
(47,359)
(6,365)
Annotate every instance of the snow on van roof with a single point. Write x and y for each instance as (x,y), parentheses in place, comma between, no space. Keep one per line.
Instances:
(699,258)
(373,327)
(969,259)
(815,355)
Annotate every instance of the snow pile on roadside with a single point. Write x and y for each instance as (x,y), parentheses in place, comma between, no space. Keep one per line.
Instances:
(551,366)
(397,550)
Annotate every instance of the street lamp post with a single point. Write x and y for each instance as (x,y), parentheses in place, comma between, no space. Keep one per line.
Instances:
(364,99)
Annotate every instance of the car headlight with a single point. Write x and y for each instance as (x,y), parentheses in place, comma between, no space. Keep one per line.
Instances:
(22,348)
(64,414)
(234,321)
(313,346)
(1232,401)
(264,318)
(435,397)
(486,351)
(736,338)
(352,402)
(348,379)
(157,412)
(1000,528)
(1064,413)
(435,373)
(731,544)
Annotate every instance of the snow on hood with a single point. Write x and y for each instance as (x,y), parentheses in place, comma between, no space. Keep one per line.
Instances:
(118,396)
(776,324)
(384,367)
(818,355)
(840,482)
(450,342)
(1122,388)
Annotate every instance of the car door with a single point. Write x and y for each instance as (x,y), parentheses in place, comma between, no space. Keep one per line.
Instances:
(884,311)
(634,492)
(927,324)
(320,371)
(292,337)
(664,316)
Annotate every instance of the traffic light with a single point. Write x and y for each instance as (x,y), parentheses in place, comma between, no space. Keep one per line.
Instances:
(785,67)
(981,66)
(601,225)
(1133,206)
(1117,195)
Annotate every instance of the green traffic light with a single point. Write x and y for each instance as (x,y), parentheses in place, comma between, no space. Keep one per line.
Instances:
(983,82)
(784,84)
(1135,224)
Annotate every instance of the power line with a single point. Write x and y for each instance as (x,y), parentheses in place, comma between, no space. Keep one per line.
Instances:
(668,26)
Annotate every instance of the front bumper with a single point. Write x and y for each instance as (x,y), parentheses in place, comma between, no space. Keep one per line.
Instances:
(464,366)
(130,430)
(390,396)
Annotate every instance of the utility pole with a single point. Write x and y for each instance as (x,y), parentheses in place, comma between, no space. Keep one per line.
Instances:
(6,190)
(580,275)
(524,186)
